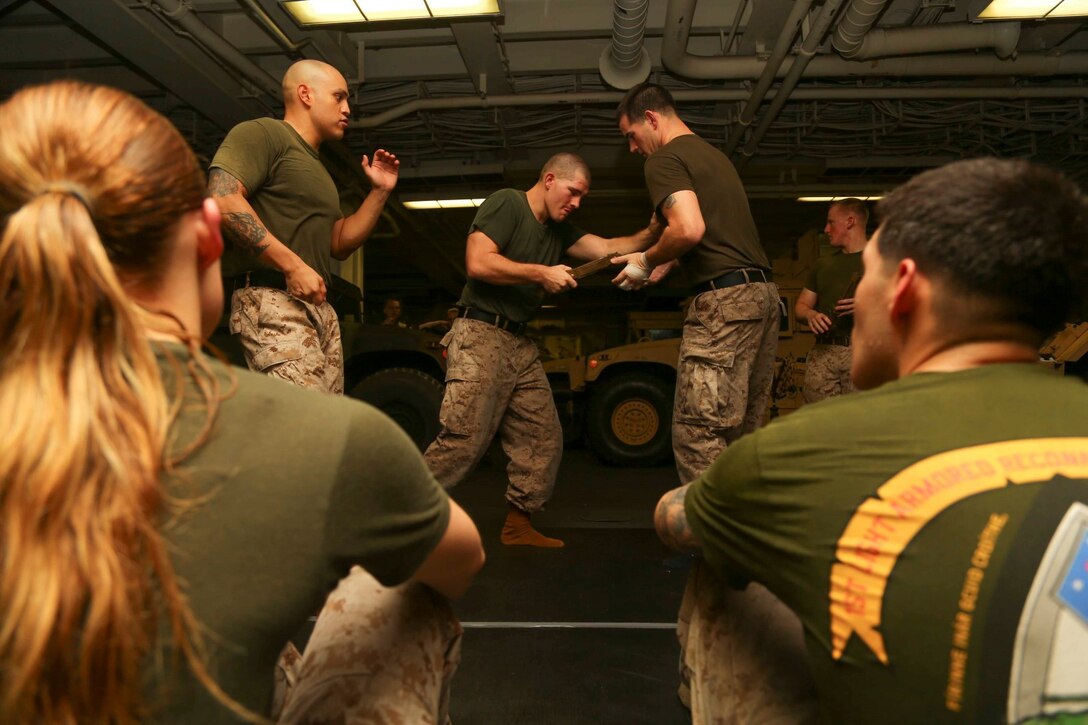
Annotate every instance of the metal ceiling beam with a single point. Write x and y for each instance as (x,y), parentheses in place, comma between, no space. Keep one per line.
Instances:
(55,45)
(179,66)
(480,50)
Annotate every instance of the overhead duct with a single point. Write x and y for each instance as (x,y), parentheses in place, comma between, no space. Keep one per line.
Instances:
(625,63)
(855,23)
(674,56)
(887,43)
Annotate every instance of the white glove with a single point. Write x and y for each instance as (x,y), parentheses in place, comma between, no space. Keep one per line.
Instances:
(636,271)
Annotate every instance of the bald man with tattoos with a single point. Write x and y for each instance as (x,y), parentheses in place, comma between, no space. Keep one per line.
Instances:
(282,212)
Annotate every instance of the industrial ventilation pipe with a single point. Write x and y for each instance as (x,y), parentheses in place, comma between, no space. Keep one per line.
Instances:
(625,63)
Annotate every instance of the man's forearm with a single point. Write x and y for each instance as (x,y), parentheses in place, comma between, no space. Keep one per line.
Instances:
(671,245)
(497,269)
(351,231)
(637,242)
(671,522)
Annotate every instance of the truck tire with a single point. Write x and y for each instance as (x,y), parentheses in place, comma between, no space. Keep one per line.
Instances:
(629,420)
(410,397)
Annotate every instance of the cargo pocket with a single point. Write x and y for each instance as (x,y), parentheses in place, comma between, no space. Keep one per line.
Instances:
(704,394)
(466,398)
(278,339)
(720,325)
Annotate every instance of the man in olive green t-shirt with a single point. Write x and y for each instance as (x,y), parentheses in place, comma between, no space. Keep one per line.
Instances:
(931,531)
(494,381)
(726,363)
(281,210)
(826,303)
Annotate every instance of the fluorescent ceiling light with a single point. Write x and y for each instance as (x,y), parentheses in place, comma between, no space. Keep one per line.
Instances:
(1026,9)
(838,198)
(1069,8)
(324,12)
(443,203)
(319,12)
(393,9)
(447,8)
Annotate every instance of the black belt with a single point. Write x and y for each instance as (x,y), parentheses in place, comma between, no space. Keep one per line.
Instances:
(472,313)
(732,279)
(261,278)
(843,340)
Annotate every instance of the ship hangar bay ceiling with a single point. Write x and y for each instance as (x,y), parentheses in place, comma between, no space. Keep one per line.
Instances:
(807,97)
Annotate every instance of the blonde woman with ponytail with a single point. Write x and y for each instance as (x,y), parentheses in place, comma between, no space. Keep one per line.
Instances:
(168,523)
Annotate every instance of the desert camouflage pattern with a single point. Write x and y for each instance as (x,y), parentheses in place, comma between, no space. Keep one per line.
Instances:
(745,656)
(496,384)
(289,339)
(724,376)
(827,372)
(377,655)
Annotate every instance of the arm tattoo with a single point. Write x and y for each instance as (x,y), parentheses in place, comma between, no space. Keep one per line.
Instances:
(669,202)
(671,522)
(246,231)
(220,183)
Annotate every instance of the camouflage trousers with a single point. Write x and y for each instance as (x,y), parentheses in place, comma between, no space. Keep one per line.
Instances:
(723,382)
(289,339)
(377,655)
(827,372)
(496,384)
(745,655)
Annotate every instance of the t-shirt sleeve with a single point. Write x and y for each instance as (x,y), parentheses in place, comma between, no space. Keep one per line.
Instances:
(665,174)
(569,234)
(497,217)
(386,512)
(247,154)
(810,280)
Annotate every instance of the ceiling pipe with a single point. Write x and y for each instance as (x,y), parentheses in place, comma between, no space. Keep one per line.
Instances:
(797,68)
(887,43)
(723,94)
(625,63)
(855,24)
(674,56)
(770,71)
(293,49)
(181,14)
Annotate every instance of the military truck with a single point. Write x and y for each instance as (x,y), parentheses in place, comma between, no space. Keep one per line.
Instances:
(620,400)
(398,370)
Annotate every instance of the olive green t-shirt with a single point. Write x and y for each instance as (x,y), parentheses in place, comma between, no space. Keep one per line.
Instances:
(287,186)
(506,218)
(905,526)
(833,278)
(291,489)
(731,242)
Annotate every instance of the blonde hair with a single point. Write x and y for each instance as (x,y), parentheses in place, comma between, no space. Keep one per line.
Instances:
(92,185)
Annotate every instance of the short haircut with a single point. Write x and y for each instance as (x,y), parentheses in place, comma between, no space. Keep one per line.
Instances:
(645,97)
(566,165)
(1007,239)
(857,207)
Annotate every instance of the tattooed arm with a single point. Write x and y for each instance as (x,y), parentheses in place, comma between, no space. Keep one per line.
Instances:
(671,522)
(248,233)
(685,227)
(684,230)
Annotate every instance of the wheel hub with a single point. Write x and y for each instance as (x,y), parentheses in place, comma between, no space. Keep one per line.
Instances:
(635,422)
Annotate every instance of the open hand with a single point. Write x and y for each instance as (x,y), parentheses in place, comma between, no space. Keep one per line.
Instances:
(383,172)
